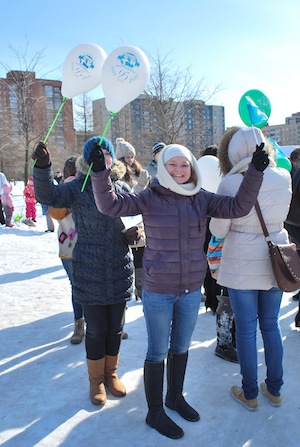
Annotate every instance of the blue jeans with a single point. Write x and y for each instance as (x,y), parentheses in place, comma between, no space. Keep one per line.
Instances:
(77,308)
(170,319)
(264,305)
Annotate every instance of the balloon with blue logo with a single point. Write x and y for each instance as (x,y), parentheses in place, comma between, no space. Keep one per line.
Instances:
(281,160)
(125,75)
(82,69)
(254,108)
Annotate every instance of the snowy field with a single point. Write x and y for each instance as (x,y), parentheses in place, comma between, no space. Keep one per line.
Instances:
(43,377)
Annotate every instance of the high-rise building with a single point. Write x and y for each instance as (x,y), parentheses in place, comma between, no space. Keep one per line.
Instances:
(145,121)
(28,107)
(285,134)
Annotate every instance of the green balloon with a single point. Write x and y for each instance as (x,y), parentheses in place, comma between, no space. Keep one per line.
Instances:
(254,108)
(283,162)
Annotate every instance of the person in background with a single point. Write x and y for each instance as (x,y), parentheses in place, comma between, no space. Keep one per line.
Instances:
(3,181)
(156,149)
(174,210)
(67,237)
(49,221)
(137,179)
(292,223)
(58,177)
(8,204)
(245,267)
(216,297)
(102,264)
(30,200)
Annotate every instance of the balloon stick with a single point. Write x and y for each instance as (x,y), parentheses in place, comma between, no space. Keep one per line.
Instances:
(112,115)
(53,122)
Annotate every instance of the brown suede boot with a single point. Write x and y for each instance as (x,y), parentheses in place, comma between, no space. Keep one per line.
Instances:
(96,377)
(112,381)
(78,332)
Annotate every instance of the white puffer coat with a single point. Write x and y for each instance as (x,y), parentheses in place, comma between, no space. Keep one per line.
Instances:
(245,263)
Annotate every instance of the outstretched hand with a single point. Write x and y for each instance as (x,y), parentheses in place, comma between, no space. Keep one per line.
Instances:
(41,155)
(260,158)
(97,157)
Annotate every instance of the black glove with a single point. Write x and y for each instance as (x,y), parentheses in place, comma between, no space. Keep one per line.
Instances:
(133,235)
(97,157)
(260,158)
(41,155)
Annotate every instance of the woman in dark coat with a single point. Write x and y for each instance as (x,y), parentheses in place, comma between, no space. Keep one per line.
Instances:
(102,264)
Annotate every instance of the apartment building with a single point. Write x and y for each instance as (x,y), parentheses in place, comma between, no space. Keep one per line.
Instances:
(286,134)
(28,107)
(191,123)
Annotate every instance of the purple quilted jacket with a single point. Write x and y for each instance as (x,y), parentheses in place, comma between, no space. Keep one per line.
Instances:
(175,225)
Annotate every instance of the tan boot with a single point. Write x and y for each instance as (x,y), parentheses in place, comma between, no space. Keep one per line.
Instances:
(96,377)
(78,332)
(112,381)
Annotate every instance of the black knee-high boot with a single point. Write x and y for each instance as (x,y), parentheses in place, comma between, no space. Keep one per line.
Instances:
(176,366)
(156,417)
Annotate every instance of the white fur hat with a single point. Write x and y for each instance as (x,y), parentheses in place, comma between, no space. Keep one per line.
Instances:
(124,148)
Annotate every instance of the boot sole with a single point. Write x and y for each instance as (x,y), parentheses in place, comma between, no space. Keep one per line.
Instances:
(195,419)
(225,358)
(164,434)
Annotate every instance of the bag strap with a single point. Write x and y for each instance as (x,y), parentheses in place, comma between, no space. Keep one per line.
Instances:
(261,219)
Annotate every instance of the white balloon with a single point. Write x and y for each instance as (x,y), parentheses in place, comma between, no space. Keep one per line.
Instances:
(125,74)
(210,172)
(82,69)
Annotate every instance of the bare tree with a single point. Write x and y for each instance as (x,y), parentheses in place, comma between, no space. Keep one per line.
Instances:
(22,105)
(176,98)
(83,115)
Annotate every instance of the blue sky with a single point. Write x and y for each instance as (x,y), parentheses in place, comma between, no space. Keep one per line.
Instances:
(240,44)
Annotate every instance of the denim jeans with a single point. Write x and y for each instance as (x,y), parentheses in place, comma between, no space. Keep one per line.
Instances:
(77,308)
(170,320)
(264,305)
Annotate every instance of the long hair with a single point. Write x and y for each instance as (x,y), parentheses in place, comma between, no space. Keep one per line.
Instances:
(133,170)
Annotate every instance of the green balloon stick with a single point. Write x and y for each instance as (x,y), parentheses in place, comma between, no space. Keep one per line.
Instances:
(112,115)
(53,122)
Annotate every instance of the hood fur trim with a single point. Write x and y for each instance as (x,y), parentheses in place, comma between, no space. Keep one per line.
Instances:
(224,162)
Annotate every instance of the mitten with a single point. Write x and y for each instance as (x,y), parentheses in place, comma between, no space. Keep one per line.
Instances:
(132,235)
(96,157)
(41,155)
(260,158)
(144,178)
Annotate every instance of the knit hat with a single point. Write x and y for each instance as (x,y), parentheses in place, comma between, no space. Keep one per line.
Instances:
(105,144)
(157,147)
(124,148)
(243,143)
(176,150)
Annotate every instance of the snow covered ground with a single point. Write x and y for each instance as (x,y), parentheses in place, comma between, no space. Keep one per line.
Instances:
(43,377)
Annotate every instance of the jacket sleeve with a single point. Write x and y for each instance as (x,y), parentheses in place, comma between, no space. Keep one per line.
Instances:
(228,207)
(110,202)
(46,193)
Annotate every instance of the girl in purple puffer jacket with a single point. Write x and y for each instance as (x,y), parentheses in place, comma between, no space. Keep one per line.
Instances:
(175,211)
